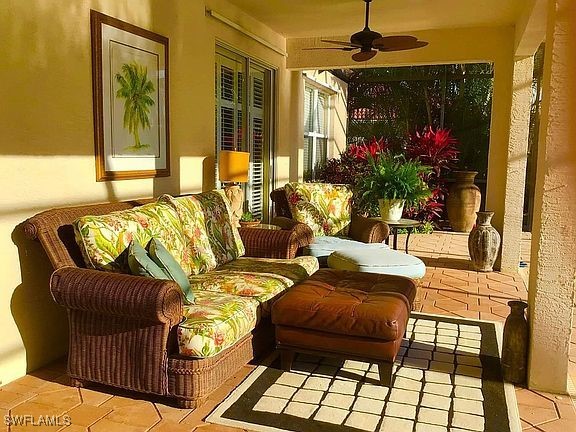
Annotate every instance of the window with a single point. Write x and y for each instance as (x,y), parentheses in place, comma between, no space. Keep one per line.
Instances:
(243,114)
(316,108)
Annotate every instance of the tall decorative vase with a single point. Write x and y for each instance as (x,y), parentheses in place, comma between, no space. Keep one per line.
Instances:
(515,344)
(463,201)
(483,243)
(391,209)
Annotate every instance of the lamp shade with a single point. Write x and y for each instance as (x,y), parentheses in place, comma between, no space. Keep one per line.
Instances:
(233,166)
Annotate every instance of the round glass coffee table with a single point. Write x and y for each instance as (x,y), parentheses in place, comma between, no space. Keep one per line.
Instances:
(407,224)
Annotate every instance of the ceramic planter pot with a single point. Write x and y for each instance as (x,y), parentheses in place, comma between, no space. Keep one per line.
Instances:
(463,201)
(391,209)
(515,344)
(484,243)
(249,224)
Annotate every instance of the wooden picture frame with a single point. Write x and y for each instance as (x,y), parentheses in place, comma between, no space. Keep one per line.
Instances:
(130,98)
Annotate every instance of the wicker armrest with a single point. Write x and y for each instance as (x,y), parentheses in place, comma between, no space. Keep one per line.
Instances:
(368,230)
(117,294)
(284,243)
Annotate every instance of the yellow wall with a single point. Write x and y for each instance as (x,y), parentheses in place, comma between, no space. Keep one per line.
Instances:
(46,143)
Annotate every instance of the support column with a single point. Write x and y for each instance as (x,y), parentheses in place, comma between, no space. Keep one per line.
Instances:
(553,269)
(499,135)
(296,132)
(516,165)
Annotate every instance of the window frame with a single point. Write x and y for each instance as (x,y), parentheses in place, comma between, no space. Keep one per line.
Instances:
(317,90)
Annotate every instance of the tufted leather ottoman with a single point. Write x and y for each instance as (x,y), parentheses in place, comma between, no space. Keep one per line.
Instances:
(339,313)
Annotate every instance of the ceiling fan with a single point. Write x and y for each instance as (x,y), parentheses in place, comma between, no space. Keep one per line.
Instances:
(370,42)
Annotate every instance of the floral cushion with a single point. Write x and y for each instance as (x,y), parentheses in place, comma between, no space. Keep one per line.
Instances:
(198,253)
(216,322)
(324,207)
(260,287)
(104,239)
(296,269)
(224,237)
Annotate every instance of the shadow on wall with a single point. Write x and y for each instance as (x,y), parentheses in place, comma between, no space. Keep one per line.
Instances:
(43,325)
(208,173)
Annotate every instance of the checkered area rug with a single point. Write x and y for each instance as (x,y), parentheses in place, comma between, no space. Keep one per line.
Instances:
(447,378)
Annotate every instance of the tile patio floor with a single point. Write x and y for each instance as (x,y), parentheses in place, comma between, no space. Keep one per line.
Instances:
(450,288)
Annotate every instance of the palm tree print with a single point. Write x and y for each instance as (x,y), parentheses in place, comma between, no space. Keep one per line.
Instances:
(135,88)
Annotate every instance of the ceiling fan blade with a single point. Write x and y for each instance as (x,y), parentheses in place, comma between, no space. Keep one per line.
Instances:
(363,56)
(410,46)
(330,48)
(343,43)
(393,41)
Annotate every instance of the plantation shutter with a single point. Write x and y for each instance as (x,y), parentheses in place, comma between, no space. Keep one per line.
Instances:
(243,113)
(257,131)
(229,113)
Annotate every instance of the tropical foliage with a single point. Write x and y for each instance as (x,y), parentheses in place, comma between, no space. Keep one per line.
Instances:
(436,148)
(393,102)
(394,177)
(135,88)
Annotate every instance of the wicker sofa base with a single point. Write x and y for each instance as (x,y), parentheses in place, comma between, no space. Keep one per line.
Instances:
(191,381)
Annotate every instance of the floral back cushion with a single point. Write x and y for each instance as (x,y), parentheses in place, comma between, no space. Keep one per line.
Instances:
(198,252)
(104,239)
(224,237)
(324,207)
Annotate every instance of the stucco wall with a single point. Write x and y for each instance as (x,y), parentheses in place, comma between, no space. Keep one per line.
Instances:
(553,272)
(47,148)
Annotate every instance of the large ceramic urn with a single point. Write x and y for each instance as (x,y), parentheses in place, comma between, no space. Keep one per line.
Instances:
(463,201)
(484,243)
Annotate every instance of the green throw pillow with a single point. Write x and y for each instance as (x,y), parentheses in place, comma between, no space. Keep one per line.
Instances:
(170,266)
(141,264)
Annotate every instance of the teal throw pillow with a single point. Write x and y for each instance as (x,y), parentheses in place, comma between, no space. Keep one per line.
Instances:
(141,264)
(164,259)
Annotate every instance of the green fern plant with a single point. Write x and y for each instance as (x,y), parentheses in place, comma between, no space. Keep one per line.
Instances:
(393,177)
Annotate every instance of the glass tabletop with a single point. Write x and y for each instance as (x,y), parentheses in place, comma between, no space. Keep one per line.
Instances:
(401,223)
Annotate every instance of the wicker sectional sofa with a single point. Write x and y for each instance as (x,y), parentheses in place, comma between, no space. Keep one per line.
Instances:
(136,333)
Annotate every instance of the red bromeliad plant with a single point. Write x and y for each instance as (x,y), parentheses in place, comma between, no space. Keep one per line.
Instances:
(353,162)
(436,149)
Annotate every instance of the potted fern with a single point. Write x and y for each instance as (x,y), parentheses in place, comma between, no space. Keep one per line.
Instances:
(248,220)
(394,182)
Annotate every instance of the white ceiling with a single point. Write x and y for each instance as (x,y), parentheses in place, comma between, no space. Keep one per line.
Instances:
(308,18)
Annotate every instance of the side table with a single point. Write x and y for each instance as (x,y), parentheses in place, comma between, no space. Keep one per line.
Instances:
(407,224)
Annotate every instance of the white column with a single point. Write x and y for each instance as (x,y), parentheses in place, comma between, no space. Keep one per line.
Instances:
(516,164)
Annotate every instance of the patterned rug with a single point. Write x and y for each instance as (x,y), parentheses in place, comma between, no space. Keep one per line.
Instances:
(447,377)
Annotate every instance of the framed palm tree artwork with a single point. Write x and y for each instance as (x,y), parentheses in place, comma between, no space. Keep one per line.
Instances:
(130,96)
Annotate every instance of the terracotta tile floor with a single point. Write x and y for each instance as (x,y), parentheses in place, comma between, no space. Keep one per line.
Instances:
(450,288)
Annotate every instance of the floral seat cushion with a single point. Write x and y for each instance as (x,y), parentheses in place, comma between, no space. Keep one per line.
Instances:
(104,239)
(295,269)
(215,322)
(324,207)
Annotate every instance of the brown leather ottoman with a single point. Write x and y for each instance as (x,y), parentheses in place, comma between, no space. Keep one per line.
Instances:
(339,313)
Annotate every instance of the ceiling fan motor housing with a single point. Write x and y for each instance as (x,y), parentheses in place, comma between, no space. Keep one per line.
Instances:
(365,37)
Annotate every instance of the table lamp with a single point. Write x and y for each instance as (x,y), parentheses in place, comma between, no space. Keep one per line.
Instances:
(232,170)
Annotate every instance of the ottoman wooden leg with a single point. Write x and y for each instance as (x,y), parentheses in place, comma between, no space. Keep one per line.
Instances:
(286,359)
(385,370)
